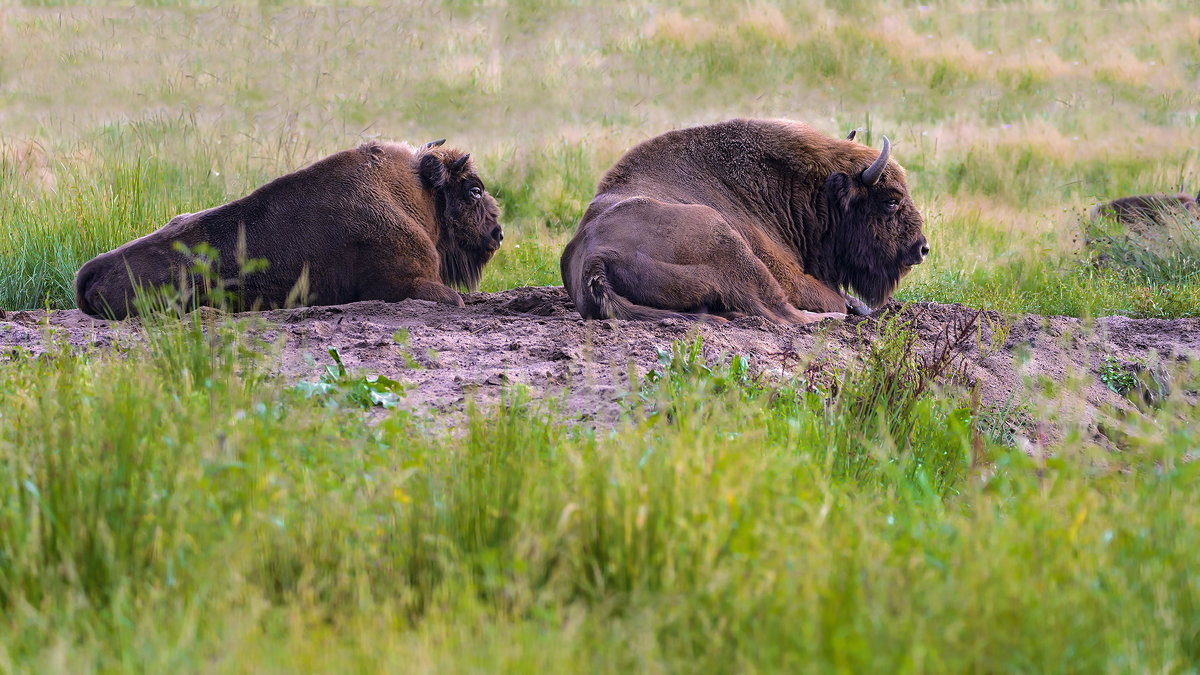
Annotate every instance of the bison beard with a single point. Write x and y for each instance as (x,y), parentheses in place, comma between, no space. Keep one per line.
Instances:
(762,217)
(379,222)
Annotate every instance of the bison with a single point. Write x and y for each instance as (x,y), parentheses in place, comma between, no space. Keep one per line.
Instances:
(744,217)
(1146,210)
(383,221)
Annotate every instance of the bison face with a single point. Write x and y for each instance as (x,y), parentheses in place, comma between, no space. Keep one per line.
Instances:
(876,229)
(468,217)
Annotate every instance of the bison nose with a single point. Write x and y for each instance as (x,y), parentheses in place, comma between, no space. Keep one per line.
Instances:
(498,234)
(919,251)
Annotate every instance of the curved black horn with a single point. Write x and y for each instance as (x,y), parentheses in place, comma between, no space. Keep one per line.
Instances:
(433,144)
(460,163)
(850,136)
(871,174)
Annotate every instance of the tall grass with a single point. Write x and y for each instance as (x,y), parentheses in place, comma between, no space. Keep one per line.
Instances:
(1162,247)
(49,234)
(217,520)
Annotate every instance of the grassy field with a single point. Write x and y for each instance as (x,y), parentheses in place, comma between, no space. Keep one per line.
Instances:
(1011,119)
(170,508)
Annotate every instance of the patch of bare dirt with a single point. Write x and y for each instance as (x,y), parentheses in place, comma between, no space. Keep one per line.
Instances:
(534,337)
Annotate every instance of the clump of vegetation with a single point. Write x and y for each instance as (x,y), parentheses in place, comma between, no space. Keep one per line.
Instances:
(899,411)
(1116,376)
(337,388)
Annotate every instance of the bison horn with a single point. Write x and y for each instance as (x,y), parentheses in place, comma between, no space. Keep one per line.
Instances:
(850,136)
(871,174)
(460,163)
(434,144)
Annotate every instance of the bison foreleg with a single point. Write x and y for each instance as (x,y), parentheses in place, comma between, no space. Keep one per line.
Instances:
(419,289)
(437,292)
(807,293)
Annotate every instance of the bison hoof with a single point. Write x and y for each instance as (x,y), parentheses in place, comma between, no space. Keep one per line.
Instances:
(857,307)
(813,317)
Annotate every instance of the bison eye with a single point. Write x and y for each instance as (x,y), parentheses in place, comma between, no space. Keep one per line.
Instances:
(892,204)
(476,193)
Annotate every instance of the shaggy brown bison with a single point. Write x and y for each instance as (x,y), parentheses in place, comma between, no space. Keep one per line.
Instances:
(383,221)
(762,217)
(1142,210)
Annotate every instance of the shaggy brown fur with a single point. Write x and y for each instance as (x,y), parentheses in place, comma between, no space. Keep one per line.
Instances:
(379,222)
(762,217)
(1146,210)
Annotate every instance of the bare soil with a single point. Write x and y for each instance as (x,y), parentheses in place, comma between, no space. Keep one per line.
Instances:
(534,337)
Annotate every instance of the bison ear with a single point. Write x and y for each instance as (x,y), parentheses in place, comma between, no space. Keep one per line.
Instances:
(433,172)
(839,190)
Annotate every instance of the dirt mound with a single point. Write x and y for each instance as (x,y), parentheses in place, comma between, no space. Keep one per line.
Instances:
(533,336)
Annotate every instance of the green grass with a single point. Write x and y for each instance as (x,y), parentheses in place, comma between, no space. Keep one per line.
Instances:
(169,506)
(730,523)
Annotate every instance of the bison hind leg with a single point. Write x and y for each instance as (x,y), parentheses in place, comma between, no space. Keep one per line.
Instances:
(641,287)
(702,290)
(600,300)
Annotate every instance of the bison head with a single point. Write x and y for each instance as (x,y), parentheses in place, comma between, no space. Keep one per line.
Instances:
(468,218)
(876,228)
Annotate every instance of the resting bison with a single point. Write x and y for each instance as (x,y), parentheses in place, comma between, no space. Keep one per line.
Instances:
(1143,210)
(383,221)
(762,217)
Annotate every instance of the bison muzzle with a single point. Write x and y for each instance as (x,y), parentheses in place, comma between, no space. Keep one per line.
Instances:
(744,217)
(383,221)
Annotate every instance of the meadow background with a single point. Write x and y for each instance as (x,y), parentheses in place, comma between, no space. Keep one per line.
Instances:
(1011,118)
(176,509)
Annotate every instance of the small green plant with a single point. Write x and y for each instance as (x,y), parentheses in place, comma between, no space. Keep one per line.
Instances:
(684,362)
(338,389)
(1116,376)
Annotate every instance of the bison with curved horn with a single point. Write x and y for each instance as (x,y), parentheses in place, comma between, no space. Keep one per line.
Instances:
(383,221)
(744,217)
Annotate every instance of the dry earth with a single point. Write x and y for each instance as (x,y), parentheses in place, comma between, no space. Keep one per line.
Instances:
(533,336)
